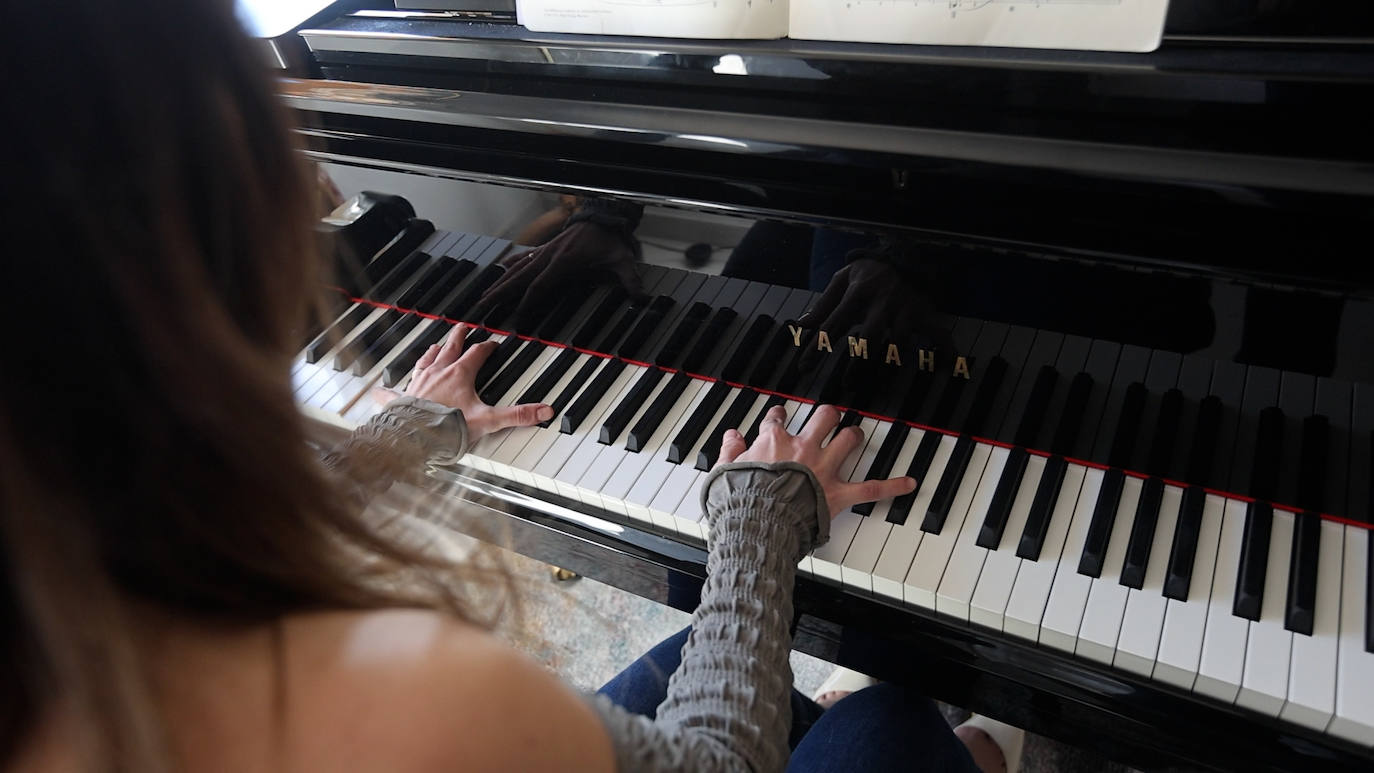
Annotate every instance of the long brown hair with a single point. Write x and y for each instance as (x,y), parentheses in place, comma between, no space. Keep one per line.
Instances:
(158,267)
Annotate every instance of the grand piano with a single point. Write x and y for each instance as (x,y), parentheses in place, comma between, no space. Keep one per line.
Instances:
(1114,312)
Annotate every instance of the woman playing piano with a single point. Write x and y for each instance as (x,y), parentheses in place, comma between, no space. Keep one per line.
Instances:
(187,586)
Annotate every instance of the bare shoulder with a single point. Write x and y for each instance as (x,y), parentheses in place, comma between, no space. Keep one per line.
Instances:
(402,690)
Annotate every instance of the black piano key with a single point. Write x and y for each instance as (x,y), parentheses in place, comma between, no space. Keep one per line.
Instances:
(620,417)
(637,339)
(599,319)
(753,433)
(1100,527)
(384,291)
(1302,574)
(995,522)
(570,390)
(1369,597)
(1266,459)
(1128,367)
(695,425)
(1071,419)
(1178,576)
(656,413)
(1142,538)
(917,470)
(579,409)
(1042,508)
(1128,425)
(515,369)
(990,382)
(455,309)
(675,348)
(359,280)
(1206,435)
(498,358)
(430,279)
(712,336)
(430,303)
(739,408)
(881,468)
(1029,426)
(1162,455)
(1254,555)
(540,387)
(948,486)
(1297,397)
(751,346)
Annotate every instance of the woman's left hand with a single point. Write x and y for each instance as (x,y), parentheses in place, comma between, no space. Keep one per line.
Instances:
(447,374)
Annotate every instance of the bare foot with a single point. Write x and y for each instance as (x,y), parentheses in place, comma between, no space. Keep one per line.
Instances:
(987,755)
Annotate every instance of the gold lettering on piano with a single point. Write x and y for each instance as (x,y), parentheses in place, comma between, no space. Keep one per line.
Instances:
(893,353)
(925,360)
(858,347)
(961,367)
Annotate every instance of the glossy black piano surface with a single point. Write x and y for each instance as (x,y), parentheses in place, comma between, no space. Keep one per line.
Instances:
(1112,311)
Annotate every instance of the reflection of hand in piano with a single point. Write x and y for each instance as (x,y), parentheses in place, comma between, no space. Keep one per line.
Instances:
(447,375)
(538,277)
(822,446)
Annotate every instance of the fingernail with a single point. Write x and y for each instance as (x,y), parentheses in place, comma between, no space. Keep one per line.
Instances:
(544,413)
(910,482)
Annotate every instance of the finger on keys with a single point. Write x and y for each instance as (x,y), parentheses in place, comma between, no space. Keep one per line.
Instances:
(524,415)
(823,421)
(849,494)
(776,418)
(845,441)
(451,350)
(731,446)
(427,359)
(473,358)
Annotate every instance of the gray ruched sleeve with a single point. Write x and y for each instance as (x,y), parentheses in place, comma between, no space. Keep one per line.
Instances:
(396,443)
(728,705)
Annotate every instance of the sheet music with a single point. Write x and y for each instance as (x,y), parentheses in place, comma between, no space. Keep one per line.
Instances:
(663,18)
(1098,25)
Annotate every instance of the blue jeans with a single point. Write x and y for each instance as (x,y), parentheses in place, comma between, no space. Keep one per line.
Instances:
(880,728)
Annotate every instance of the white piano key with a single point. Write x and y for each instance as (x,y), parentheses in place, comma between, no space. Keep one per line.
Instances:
(1223,641)
(1069,591)
(689,509)
(1264,681)
(644,475)
(861,558)
(608,456)
(890,572)
(573,452)
(1000,567)
(532,455)
(1354,715)
(1185,622)
(1138,645)
(1312,672)
(826,559)
(486,447)
(685,476)
(1106,605)
(1030,594)
(932,559)
(955,593)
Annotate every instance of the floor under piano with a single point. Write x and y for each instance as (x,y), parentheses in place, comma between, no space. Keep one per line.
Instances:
(587,632)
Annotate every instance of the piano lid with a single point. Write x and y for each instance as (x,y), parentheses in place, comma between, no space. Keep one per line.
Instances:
(1238,157)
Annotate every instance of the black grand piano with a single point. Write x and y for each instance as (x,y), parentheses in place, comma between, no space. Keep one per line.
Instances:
(1114,312)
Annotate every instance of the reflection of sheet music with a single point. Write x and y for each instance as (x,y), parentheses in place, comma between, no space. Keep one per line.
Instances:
(666,18)
(1101,25)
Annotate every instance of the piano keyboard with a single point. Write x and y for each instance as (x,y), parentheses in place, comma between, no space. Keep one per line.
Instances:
(1070,493)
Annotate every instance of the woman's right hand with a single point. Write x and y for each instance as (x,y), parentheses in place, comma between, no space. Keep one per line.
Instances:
(776,444)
